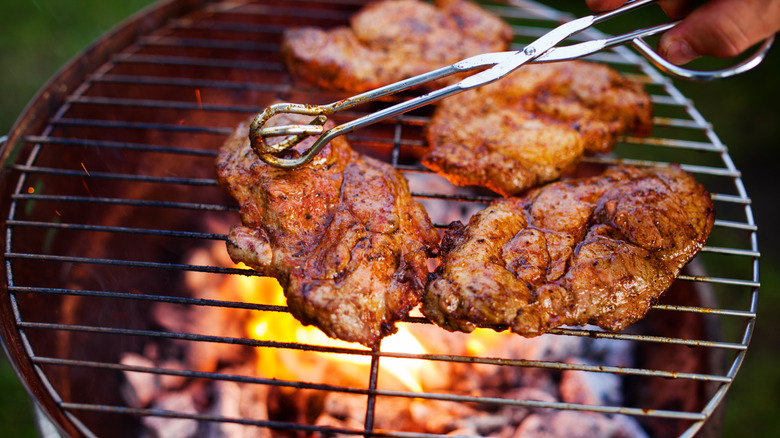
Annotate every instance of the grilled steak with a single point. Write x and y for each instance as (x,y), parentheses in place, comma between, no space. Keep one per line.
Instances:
(391,40)
(531,126)
(341,234)
(596,250)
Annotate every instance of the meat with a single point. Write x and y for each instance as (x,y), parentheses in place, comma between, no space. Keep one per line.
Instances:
(391,40)
(531,126)
(342,235)
(596,250)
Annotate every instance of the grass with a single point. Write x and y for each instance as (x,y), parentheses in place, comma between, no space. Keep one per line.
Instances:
(39,36)
(16,419)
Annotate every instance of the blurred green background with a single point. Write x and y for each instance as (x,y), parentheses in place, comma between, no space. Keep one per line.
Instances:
(37,37)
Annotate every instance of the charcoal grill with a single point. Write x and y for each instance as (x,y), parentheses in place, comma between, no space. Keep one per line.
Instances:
(109,181)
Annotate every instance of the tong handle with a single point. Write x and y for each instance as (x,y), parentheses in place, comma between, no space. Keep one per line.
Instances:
(662,64)
(703,75)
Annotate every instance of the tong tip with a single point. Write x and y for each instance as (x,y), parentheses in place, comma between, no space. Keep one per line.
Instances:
(295,133)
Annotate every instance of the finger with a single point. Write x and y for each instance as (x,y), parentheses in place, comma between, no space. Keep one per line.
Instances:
(676,8)
(673,8)
(722,28)
(604,5)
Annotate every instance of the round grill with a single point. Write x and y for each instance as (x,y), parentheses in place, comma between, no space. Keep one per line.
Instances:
(109,191)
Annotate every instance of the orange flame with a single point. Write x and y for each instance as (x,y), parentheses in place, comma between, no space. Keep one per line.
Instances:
(282,363)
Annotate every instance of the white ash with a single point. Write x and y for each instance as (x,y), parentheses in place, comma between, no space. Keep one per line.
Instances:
(576,424)
(172,381)
(590,387)
(217,321)
(179,402)
(502,422)
(140,388)
(610,352)
(238,400)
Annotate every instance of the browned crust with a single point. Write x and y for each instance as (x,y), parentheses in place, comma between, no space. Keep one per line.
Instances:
(388,41)
(342,235)
(532,126)
(598,250)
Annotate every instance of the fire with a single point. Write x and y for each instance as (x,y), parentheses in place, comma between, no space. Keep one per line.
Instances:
(483,341)
(290,364)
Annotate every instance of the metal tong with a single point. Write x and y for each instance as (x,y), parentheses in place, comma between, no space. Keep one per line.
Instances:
(503,63)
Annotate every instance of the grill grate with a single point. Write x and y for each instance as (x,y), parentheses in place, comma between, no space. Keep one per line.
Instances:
(106,196)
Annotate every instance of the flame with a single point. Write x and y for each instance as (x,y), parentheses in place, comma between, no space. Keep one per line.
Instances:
(482,341)
(288,364)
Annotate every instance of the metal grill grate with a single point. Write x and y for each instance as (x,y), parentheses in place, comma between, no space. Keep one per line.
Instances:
(107,196)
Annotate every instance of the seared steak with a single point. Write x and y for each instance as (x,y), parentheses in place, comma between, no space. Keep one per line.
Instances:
(342,235)
(597,250)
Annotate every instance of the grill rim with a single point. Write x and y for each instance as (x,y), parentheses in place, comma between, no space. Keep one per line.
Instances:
(55,94)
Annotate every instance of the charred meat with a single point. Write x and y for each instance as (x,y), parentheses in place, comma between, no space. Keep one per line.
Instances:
(530,127)
(597,250)
(391,40)
(342,235)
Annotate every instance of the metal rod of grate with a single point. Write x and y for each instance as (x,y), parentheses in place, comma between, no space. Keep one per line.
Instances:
(687,120)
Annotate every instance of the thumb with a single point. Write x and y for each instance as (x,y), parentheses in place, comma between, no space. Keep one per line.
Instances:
(722,28)
(604,5)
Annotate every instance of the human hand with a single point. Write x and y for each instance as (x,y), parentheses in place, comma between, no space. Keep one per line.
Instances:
(722,28)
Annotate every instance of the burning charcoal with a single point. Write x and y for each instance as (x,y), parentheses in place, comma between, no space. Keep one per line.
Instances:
(326,421)
(294,405)
(462,432)
(139,389)
(610,352)
(485,424)
(511,346)
(396,415)
(220,321)
(342,411)
(345,406)
(516,414)
(179,402)
(437,416)
(172,382)
(237,400)
(496,380)
(574,424)
(391,412)
(172,317)
(206,356)
(550,348)
(590,388)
